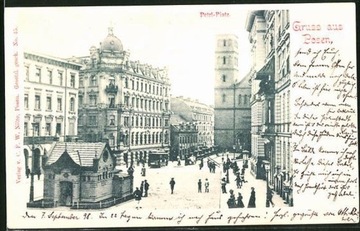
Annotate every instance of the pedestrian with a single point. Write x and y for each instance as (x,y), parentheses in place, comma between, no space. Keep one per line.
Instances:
(137,196)
(199,186)
(209,165)
(142,187)
(238,181)
(38,174)
(270,196)
(213,167)
(146,187)
(206,184)
(231,201)
(240,203)
(172,184)
(130,171)
(143,171)
(224,167)
(251,203)
(201,164)
(223,185)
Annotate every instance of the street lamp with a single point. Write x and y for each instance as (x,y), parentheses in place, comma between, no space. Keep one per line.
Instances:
(267,168)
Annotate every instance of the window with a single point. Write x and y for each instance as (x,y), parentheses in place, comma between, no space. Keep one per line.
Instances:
(50,76)
(166,122)
(92,120)
(137,85)
(38,74)
(223,98)
(126,83)
(26,101)
(112,102)
(132,84)
(141,103)
(224,42)
(137,102)
(26,128)
(146,87)
(60,77)
(36,129)
(240,99)
(166,106)
(72,80)
(93,100)
(72,104)
(126,121)
(142,87)
(81,99)
(27,72)
(126,100)
(58,129)
(112,120)
(48,103)
(59,104)
(224,78)
(245,100)
(93,80)
(224,60)
(37,102)
(48,129)
(81,82)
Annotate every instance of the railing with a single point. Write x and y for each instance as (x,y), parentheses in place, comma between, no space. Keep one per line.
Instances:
(111,88)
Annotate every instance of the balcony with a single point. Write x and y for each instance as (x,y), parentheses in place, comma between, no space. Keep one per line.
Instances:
(268,130)
(111,88)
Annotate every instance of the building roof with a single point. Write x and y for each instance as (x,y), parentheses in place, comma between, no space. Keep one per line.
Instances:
(81,153)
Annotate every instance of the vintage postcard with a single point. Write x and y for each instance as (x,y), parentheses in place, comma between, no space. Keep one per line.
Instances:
(187,115)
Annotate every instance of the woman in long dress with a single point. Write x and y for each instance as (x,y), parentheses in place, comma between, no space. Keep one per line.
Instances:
(240,203)
(251,203)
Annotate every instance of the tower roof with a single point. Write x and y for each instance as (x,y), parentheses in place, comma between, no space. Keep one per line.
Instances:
(111,43)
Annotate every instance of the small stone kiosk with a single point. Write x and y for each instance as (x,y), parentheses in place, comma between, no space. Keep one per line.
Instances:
(83,175)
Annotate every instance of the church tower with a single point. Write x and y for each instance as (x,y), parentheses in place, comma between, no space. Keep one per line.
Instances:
(226,74)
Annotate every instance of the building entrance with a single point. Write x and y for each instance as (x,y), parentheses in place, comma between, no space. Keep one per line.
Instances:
(66,193)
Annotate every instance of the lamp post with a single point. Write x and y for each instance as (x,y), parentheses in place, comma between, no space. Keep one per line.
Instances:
(267,168)
(32,165)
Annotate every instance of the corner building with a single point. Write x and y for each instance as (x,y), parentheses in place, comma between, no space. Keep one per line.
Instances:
(123,102)
(232,117)
(50,105)
(270,104)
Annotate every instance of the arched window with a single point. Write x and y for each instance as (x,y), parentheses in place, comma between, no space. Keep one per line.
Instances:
(224,78)
(224,42)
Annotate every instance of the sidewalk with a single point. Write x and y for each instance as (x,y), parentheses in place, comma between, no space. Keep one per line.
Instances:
(258,184)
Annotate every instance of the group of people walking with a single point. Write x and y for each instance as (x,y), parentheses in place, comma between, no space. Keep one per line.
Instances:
(238,203)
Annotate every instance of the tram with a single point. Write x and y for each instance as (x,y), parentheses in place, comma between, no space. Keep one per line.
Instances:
(158,159)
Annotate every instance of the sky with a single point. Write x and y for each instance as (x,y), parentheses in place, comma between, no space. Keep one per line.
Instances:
(176,37)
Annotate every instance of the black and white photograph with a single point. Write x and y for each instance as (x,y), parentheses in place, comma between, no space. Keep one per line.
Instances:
(178,116)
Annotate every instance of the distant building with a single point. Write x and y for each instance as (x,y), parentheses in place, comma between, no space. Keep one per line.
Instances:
(83,175)
(189,112)
(183,140)
(270,104)
(232,98)
(123,102)
(50,105)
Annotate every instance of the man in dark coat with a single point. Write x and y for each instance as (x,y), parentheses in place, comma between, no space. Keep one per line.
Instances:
(137,196)
(240,203)
(146,187)
(172,184)
(199,186)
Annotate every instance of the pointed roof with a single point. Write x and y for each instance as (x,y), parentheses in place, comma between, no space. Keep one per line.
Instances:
(82,154)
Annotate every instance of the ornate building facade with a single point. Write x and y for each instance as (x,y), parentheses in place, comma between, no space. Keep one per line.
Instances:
(50,105)
(270,105)
(201,116)
(124,102)
(232,98)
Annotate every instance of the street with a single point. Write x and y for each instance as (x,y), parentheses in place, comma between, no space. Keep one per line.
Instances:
(186,188)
